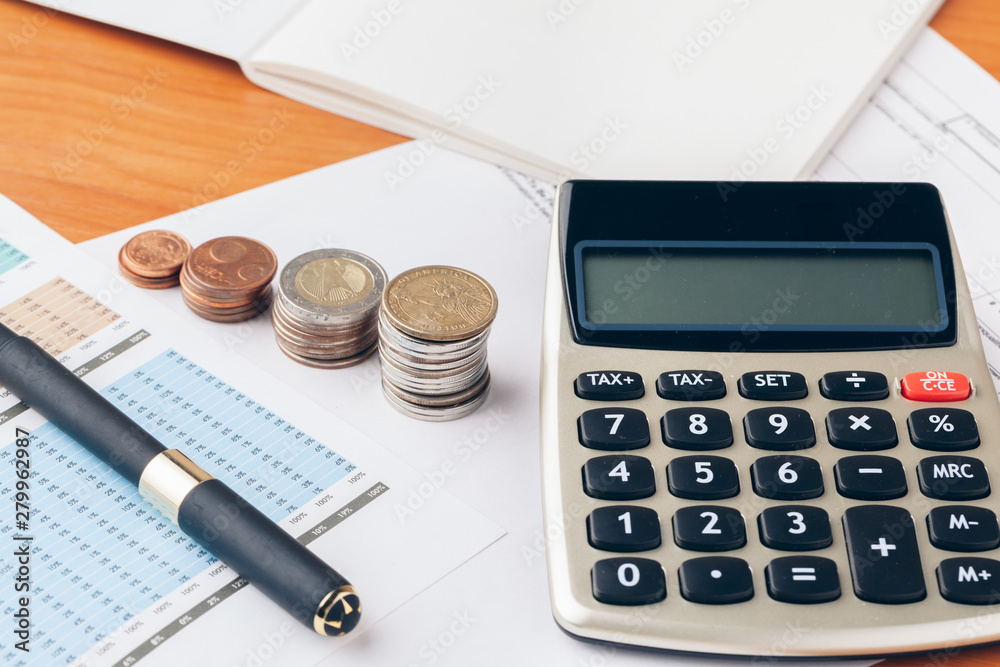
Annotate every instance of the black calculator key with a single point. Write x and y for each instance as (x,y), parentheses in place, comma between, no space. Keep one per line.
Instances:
(854,386)
(969,580)
(623,528)
(953,478)
(709,528)
(609,386)
(691,385)
(870,477)
(779,428)
(613,429)
(786,477)
(628,581)
(716,580)
(883,555)
(861,429)
(802,579)
(795,528)
(963,528)
(943,429)
(703,477)
(697,429)
(773,386)
(619,477)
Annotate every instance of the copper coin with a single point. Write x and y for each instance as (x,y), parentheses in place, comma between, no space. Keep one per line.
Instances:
(155,254)
(229,264)
(235,301)
(147,283)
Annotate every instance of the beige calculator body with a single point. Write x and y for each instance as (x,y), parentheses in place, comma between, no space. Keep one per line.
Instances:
(752,498)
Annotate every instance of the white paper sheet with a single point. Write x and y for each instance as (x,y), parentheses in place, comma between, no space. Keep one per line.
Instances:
(106,573)
(229,28)
(602,90)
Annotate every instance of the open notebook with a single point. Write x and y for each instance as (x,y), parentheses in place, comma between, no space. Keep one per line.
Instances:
(566,88)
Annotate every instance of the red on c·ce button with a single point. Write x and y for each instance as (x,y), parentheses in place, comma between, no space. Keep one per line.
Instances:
(935,386)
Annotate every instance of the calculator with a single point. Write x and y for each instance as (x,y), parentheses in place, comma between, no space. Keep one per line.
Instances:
(767,424)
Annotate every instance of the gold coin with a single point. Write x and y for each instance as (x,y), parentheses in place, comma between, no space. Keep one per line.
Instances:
(440,303)
(333,281)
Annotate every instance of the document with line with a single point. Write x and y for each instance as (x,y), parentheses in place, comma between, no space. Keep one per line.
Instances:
(106,580)
(937,119)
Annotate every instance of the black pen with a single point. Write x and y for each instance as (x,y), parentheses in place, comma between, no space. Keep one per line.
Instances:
(207,510)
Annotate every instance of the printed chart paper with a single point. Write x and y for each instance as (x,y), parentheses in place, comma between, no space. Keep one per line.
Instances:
(109,581)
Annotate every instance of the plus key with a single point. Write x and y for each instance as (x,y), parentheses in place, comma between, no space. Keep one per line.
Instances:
(882,550)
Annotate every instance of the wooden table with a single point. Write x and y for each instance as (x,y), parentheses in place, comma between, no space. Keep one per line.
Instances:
(102,129)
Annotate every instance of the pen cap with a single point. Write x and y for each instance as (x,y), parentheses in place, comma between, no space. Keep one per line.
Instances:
(48,387)
(269,558)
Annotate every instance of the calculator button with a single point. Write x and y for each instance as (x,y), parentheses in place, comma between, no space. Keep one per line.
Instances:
(786,477)
(619,477)
(691,385)
(779,428)
(963,528)
(943,429)
(716,580)
(953,478)
(883,555)
(802,579)
(854,386)
(703,478)
(709,528)
(613,429)
(609,386)
(870,477)
(623,528)
(935,386)
(628,581)
(969,580)
(697,428)
(795,528)
(773,386)
(861,429)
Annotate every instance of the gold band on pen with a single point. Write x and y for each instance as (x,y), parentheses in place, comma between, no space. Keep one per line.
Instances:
(338,613)
(167,479)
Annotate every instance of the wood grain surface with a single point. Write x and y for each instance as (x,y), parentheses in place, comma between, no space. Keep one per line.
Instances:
(102,129)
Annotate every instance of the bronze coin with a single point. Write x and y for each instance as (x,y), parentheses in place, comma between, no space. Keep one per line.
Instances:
(229,264)
(155,254)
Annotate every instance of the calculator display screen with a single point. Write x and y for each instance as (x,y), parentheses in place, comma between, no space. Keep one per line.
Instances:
(774,286)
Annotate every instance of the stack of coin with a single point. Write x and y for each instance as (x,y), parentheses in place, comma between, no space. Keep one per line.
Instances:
(433,327)
(153,259)
(326,312)
(228,279)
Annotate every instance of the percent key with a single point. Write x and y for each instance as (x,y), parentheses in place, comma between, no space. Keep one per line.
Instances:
(943,429)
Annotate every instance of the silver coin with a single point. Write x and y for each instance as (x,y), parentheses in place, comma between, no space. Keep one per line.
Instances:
(440,414)
(417,345)
(448,400)
(432,389)
(332,286)
(410,363)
